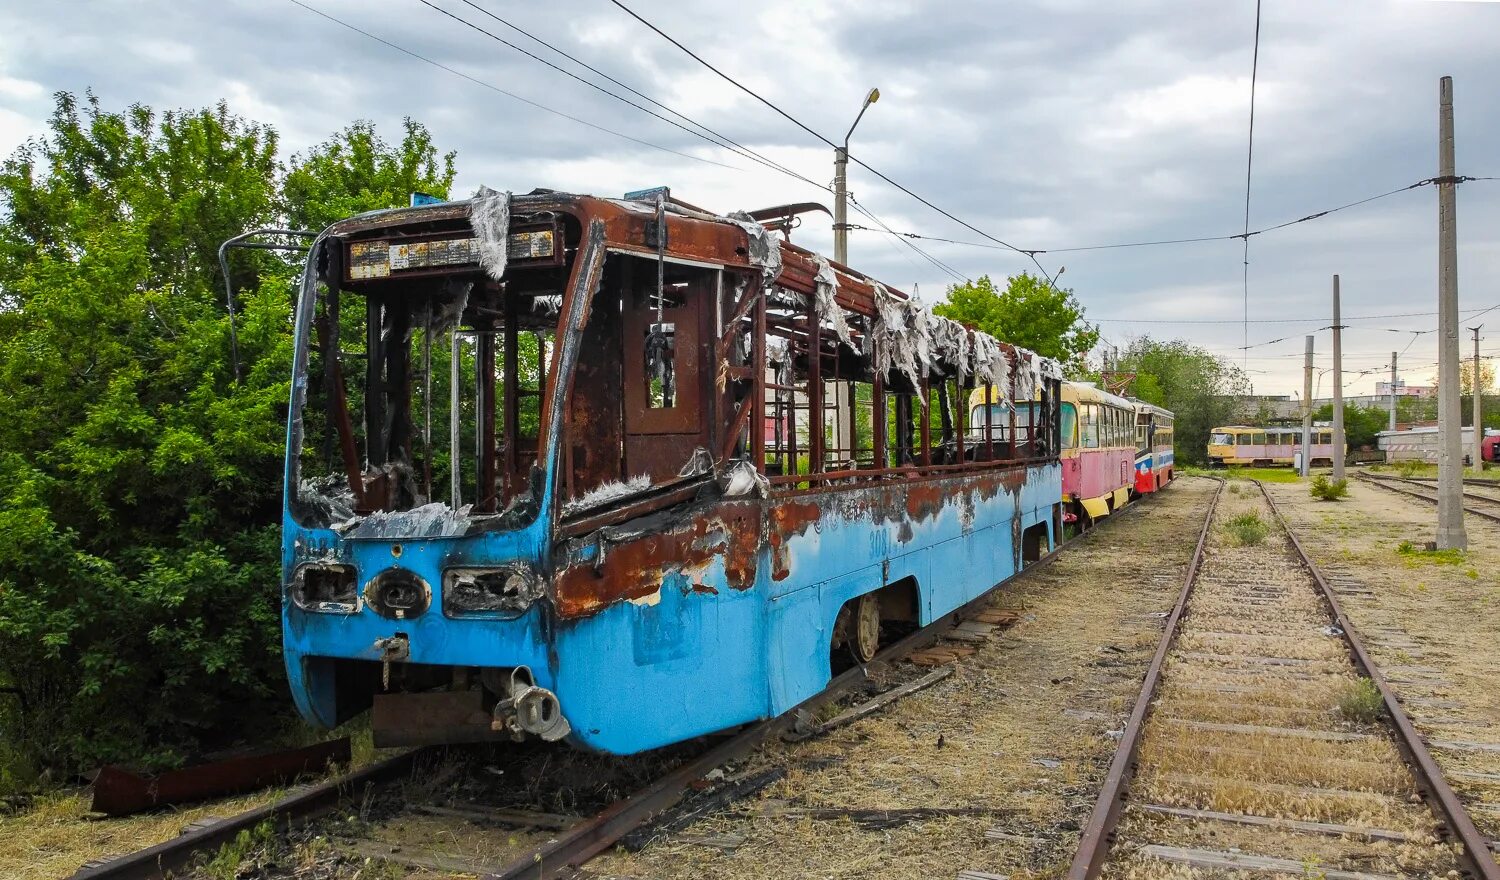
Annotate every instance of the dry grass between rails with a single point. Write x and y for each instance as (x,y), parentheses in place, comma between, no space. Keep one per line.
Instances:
(977,739)
(1362,783)
(1434,612)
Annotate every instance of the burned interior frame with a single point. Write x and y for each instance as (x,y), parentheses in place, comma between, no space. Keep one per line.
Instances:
(436,356)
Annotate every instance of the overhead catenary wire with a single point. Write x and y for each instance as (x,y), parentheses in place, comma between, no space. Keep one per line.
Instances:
(509,94)
(1194,240)
(711,137)
(1249,163)
(855,159)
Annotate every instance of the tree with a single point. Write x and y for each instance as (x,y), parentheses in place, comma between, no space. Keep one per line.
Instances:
(1466,376)
(1031,312)
(1361,423)
(139,484)
(356,170)
(1201,390)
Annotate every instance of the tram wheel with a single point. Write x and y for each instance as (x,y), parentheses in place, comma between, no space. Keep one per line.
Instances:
(866,636)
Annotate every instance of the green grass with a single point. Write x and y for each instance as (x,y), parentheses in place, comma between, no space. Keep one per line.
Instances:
(1361,702)
(1247,529)
(1414,554)
(1325,489)
(1265,474)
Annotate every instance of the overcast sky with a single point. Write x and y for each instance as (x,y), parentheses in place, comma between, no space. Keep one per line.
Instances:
(1048,125)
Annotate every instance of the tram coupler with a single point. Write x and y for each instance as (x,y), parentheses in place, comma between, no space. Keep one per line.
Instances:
(526,708)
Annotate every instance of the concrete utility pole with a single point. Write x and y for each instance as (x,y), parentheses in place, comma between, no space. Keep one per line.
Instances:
(1307,393)
(1477,389)
(843,400)
(1338,387)
(1450,526)
(1394,355)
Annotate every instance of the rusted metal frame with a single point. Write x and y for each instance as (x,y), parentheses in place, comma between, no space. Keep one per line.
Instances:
(989,421)
(907,475)
(1011,453)
(816,416)
(485,365)
(583,283)
(758,383)
(1093,847)
(960,408)
(339,410)
(1430,779)
(120,792)
(671,494)
(511,420)
(877,423)
(375,449)
(737,427)
(172,856)
(926,392)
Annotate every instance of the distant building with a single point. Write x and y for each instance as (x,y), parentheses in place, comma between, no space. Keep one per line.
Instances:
(1383,389)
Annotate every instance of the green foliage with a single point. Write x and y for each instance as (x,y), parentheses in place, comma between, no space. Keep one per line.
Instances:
(1415,555)
(1361,423)
(229,861)
(1360,701)
(1247,529)
(139,555)
(357,171)
(1029,312)
(1325,489)
(1200,389)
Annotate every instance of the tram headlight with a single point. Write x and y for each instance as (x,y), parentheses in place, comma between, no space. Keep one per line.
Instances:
(398,593)
(505,589)
(327,587)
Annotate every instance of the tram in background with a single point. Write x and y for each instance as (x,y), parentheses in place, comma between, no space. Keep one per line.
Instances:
(1255,446)
(1154,458)
(528,489)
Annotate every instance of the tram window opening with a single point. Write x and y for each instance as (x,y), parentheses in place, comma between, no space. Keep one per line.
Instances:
(1069,426)
(1222,439)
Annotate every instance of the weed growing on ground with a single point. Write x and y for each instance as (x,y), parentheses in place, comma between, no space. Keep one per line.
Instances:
(226,865)
(1361,702)
(1414,554)
(1409,469)
(1325,489)
(1248,529)
(1234,488)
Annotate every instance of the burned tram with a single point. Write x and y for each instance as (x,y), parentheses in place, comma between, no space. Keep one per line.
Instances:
(627,472)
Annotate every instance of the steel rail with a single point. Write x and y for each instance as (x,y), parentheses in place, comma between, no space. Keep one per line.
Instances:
(1093,846)
(1430,781)
(176,854)
(591,836)
(1388,483)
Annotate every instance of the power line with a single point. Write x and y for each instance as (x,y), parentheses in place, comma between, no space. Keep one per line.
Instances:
(727,143)
(1472,313)
(1196,240)
(712,137)
(747,90)
(494,88)
(1249,163)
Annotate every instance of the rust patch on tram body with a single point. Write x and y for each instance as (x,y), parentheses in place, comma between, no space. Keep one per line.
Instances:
(620,564)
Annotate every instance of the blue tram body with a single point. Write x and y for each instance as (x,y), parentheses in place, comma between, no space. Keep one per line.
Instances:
(621,616)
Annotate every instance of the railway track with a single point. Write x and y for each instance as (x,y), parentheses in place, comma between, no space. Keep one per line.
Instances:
(1480,504)
(1232,759)
(562,843)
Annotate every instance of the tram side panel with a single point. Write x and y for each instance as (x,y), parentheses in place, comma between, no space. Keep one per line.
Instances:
(744,632)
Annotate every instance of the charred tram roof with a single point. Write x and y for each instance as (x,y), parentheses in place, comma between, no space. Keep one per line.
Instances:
(691,234)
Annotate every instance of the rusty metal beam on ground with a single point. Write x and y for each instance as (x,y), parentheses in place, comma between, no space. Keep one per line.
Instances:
(119,792)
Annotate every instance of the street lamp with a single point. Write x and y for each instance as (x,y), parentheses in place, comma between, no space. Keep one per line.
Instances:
(840,186)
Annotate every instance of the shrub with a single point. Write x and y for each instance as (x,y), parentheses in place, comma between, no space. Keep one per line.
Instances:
(1248,529)
(1361,702)
(1325,489)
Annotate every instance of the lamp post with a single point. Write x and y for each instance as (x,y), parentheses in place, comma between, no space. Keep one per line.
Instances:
(840,186)
(843,397)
